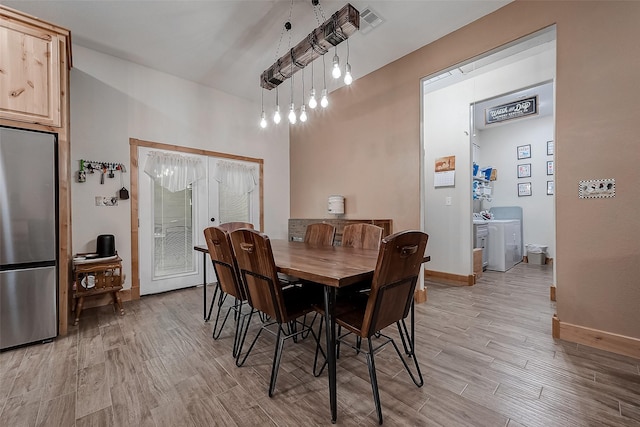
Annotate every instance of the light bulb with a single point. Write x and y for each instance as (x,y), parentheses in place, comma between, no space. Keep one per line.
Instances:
(312,99)
(303,114)
(292,114)
(348,78)
(276,115)
(263,120)
(336,73)
(323,100)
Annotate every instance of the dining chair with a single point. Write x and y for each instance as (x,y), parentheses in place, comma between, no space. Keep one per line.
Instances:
(266,293)
(320,233)
(231,226)
(228,278)
(362,235)
(389,301)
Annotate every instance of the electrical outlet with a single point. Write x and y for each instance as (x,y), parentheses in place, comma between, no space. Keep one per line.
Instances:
(447,201)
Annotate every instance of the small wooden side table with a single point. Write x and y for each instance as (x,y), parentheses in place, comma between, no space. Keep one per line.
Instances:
(97,277)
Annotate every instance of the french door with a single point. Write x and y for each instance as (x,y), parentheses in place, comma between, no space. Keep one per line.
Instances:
(171,223)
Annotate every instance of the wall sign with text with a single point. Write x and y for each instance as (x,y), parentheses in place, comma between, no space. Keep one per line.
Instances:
(512,110)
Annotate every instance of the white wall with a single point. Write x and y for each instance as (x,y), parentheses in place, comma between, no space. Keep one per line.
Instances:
(446,132)
(113,100)
(498,148)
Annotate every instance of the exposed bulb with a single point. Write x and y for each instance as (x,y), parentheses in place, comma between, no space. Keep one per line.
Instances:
(336,73)
(292,114)
(348,78)
(323,100)
(276,115)
(312,99)
(303,114)
(263,120)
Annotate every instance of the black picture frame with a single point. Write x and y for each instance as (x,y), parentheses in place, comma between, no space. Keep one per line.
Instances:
(550,167)
(550,148)
(524,189)
(524,151)
(550,188)
(524,170)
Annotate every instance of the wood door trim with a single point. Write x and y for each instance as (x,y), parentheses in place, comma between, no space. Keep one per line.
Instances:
(133,167)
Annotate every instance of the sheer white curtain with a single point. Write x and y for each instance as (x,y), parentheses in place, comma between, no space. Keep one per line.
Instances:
(239,178)
(173,171)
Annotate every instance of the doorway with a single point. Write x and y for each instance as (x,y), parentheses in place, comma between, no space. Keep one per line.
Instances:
(166,224)
(448,130)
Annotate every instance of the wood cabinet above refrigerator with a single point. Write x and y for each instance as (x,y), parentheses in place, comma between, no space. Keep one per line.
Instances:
(32,58)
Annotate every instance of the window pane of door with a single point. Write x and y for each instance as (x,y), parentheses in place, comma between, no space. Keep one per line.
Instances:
(173,232)
(233,207)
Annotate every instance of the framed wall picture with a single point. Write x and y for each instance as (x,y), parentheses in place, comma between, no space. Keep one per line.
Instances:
(550,185)
(524,152)
(550,167)
(549,148)
(524,189)
(524,170)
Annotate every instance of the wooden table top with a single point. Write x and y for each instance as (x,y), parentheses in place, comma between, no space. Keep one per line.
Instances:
(335,266)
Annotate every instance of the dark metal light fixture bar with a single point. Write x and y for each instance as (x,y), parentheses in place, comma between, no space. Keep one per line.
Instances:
(332,32)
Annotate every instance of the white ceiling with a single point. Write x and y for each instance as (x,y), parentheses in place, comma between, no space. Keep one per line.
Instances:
(226,44)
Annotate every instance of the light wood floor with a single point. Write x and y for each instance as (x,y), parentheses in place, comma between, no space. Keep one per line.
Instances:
(486,353)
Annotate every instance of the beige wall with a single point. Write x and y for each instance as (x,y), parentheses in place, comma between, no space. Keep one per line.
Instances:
(367,147)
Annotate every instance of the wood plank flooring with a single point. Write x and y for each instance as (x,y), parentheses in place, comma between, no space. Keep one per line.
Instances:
(486,353)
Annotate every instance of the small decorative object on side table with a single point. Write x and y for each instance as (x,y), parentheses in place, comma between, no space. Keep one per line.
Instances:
(96,276)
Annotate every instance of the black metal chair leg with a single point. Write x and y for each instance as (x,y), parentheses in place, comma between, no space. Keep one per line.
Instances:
(276,362)
(419,381)
(207,317)
(374,381)
(215,335)
(402,337)
(244,335)
(319,349)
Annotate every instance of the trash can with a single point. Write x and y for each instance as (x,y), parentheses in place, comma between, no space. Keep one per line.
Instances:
(536,254)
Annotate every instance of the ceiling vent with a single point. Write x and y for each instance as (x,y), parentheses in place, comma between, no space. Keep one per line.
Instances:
(369,19)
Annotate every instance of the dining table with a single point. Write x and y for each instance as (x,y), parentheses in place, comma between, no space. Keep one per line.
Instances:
(334,267)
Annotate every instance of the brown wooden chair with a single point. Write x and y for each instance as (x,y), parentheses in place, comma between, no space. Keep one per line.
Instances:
(389,301)
(320,234)
(231,226)
(266,293)
(228,278)
(363,236)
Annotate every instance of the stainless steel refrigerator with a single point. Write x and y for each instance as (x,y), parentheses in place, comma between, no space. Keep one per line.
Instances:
(28,237)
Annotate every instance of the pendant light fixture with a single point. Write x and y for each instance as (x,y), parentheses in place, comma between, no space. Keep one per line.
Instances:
(335,72)
(348,78)
(303,113)
(324,101)
(276,115)
(312,95)
(292,109)
(329,33)
(263,116)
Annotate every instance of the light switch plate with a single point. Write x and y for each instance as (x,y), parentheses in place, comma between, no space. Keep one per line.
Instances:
(597,188)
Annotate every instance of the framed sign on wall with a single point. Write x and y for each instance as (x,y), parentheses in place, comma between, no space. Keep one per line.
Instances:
(524,152)
(524,189)
(524,170)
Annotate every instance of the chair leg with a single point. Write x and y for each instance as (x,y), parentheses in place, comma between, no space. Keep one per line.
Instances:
(416,378)
(374,381)
(276,361)
(402,337)
(213,300)
(216,334)
(241,344)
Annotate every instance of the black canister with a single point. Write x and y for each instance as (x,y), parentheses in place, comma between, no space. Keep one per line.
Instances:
(106,245)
